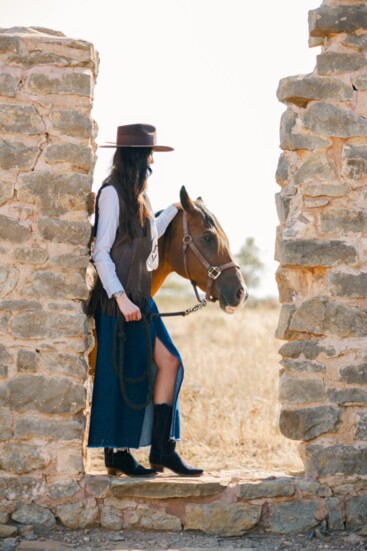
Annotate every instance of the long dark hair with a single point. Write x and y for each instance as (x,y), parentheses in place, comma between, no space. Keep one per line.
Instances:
(130,169)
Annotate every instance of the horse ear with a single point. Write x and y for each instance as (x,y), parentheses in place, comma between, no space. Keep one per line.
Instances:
(186,201)
(200,199)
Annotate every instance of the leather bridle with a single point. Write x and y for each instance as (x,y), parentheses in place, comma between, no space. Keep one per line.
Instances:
(214,272)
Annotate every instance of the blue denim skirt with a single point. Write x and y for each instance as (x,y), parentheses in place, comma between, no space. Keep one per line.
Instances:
(114,423)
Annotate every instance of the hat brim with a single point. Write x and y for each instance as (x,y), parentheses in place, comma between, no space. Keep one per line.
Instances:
(154,147)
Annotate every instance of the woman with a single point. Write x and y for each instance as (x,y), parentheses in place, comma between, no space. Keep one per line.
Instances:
(134,404)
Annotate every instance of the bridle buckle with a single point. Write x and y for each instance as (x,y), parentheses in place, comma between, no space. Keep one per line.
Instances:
(187,239)
(214,272)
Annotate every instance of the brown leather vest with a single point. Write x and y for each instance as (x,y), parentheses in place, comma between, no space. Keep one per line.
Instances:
(129,255)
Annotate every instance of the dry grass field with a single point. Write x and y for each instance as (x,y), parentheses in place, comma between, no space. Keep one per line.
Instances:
(229,405)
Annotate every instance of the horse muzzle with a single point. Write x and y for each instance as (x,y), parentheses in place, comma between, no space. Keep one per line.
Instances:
(231,302)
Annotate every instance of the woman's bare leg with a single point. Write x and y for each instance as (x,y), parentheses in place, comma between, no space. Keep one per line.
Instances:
(167,365)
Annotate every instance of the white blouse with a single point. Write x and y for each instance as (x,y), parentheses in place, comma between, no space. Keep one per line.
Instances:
(108,222)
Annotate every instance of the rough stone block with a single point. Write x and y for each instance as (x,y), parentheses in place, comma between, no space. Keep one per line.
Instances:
(282,203)
(316,189)
(144,518)
(295,140)
(316,252)
(357,41)
(71,123)
(22,119)
(32,255)
(295,516)
(80,259)
(355,161)
(354,374)
(13,231)
(300,89)
(356,511)
(311,349)
(62,231)
(8,85)
(9,44)
(8,533)
(279,487)
(56,285)
(307,423)
(302,366)
(335,520)
(6,423)
(330,120)
(226,519)
(67,364)
(45,394)
(347,395)
(342,18)
(35,515)
(329,63)
(165,489)
(343,221)
(20,305)
(282,171)
(315,168)
(111,518)
(8,280)
(16,487)
(361,428)
(82,514)
(16,155)
(6,191)
(79,157)
(76,84)
(346,284)
(54,429)
(27,360)
(339,459)
(295,390)
(61,490)
(35,325)
(285,317)
(321,316)
(22,458)
(360,82)
(55,193)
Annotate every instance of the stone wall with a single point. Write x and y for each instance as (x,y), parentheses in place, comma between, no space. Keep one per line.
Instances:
(47,156)
(322,248)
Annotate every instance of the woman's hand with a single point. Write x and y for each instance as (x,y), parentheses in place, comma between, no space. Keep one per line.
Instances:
(129,310)
(178,206)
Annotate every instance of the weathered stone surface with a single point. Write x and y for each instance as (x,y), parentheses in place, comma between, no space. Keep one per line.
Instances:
(309,348)
(285,317)
(78,515)
(6,422)
(315,167)
(8,280)
(77,84)
(6,191)
(356,512)
(34,325)
(55,193)
(329,120)
(111,518)
(295,516)
(309,488)
(279,487)
(54,429)
(315,203)
(295,390)
(303,366)
(55,285)
(361,428)
(27,360)
(281,175)
(322,461)
(35,515)
(5,357)
(143,517)
(98,486)
(80,259)
(71,123)
(335,520)
(62,231)
(351,285)
(20,305)
(69,460)
(315,189)
(357,41)
(342,18)
(307,423)
(69,364)
(355,161)
(16,487)
(329,63)
(8,85)
(315,252)
(282,203)
(226,519)
(4,322)
(360,82)
(354,374)
(347,395)
(23,119)
(63,489)
(13,231)
(294,140)
(32,255)
(78,156)
(45,394)
(165,489)
(17,155)
(321,316)
(22,458)
(9,44)
(300,89)
(343,221)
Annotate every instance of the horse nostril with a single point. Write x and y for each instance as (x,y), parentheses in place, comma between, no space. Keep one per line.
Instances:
(242,294)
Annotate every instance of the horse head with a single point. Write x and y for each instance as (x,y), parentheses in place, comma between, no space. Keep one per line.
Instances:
(196,247)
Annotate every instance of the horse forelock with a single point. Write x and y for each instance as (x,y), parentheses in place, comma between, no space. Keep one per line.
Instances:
(211,221)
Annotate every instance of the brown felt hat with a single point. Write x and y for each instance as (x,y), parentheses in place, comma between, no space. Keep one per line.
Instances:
(137,135)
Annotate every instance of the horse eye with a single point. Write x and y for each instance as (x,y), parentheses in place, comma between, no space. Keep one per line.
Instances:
(209,238)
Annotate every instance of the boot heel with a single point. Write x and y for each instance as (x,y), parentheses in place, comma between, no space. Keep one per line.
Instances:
(112,471)
(158,468)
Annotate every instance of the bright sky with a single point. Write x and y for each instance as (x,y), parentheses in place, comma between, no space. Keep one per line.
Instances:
(205,73)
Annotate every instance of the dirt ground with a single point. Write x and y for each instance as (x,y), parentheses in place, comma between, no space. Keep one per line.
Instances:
(62,539)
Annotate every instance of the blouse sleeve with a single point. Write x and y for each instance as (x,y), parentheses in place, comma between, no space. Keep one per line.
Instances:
(163,220)
(108,221)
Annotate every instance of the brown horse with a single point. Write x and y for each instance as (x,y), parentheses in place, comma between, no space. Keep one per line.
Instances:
(196,247)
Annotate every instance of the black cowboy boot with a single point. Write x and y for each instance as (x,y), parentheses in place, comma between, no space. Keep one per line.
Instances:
(163,451)
(124,462)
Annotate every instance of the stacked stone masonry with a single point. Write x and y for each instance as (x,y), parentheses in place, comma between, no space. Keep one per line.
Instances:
(322,248)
